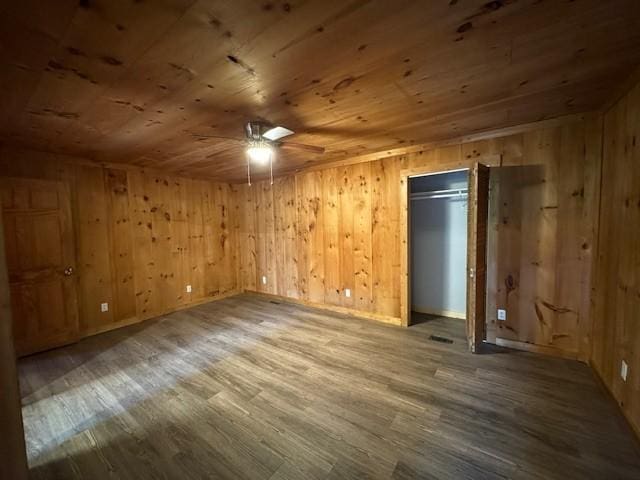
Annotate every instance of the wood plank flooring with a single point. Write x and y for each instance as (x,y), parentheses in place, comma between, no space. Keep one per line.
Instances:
(247,388)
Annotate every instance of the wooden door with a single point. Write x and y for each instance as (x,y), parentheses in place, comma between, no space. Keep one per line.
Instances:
(478,211)
(41,263)
(13,457)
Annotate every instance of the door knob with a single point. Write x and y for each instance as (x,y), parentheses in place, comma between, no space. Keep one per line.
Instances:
(68,271)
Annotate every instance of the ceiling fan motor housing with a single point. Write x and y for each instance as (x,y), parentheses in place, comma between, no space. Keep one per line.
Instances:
(263,132)
(256,129)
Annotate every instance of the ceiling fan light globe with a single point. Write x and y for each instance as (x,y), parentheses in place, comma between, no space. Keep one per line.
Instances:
(260,154)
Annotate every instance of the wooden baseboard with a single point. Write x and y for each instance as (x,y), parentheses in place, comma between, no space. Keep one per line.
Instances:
(531,347)
(333,308)
(89,332)
(133,320)
(51,343)
(439,313)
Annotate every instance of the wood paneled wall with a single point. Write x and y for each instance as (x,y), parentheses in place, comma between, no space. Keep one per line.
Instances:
(317,233)
(616,319)
(141,237)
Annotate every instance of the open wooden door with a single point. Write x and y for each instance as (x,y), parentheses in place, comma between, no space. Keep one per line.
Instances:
(477,217)
(13,457)
(41,263)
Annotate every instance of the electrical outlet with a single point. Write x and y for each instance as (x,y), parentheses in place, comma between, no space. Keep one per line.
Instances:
(624,370)
(188,288)
(264,280)
(104,307)
(502,314)
(347,292)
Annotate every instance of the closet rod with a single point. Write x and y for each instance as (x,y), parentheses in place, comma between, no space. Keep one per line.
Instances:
(452,193)
(463,195)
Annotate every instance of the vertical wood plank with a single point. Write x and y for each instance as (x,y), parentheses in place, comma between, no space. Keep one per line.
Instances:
(346,239)
(331,238)
(362,235)
(93,252)
(196,244)
(312,183)
(121,244)
(291,237)
(405,246)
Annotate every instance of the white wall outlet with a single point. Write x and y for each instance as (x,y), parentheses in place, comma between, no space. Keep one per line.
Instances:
(347,292)
(624,370)
(104,307)
(188,288)
(502,314)
(264,280)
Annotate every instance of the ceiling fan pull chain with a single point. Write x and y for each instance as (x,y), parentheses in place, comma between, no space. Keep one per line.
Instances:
(271,168)
(249,172)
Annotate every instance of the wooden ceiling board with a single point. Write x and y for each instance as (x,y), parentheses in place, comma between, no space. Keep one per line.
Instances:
(132,82)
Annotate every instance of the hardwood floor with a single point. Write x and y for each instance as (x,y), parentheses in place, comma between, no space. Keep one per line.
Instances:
(247,388)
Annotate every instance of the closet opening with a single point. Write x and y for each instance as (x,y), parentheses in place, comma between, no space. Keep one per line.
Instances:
(438,254)
(444,236)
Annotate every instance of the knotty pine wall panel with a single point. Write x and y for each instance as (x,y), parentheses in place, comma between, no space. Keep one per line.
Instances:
(346,265)
(141,237)
(385,237)
(616,320)
(245,206)
(120,231)
(93,269)
(331,235)
(543,210)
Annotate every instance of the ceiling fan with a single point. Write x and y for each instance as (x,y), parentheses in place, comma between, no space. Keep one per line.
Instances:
(261,140)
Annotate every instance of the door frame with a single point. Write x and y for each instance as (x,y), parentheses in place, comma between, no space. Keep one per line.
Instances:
(405,225)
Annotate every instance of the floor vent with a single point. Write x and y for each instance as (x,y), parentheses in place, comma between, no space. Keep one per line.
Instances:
(436,338)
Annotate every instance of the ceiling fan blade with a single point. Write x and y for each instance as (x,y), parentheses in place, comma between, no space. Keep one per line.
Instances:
(302,146)
(276,133)
(221,137)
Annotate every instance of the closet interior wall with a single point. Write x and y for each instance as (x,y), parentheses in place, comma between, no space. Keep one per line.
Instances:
(438,211)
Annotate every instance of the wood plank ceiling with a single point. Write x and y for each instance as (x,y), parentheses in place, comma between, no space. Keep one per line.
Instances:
(132,81)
